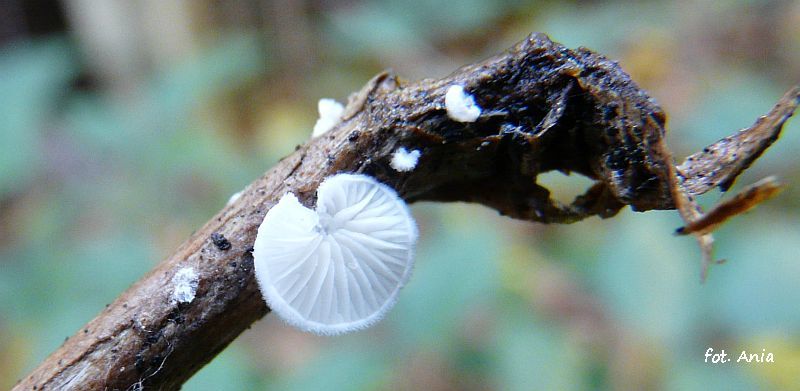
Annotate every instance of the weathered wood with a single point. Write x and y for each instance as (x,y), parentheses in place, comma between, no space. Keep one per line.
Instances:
(545,108)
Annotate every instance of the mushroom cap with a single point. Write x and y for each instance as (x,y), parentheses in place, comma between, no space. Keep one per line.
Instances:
(339,268)
(330,114)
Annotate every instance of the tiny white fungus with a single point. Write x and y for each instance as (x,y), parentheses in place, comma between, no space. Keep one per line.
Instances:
(340,267)
(403,160)
(460,105)
(330,114)
(234,197)
(185,281)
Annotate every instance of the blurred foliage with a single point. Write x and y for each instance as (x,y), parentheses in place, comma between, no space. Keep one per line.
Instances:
(97,184)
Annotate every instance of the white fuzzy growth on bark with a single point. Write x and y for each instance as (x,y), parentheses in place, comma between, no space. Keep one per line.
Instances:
(404,161)
(185,282)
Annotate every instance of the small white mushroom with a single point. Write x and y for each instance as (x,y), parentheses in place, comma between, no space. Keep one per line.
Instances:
(340,267)
(460,105)
(234,197)
(403,160)
(330,114)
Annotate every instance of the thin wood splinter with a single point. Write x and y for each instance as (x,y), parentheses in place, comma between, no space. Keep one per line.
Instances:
(745,200)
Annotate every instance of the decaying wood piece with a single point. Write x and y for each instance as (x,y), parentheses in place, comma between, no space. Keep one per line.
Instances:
(545,107)
(720,163)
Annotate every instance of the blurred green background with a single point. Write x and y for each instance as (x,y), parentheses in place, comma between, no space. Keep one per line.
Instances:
(124,125)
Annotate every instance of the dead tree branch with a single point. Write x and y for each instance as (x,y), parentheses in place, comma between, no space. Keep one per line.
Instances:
(545,107)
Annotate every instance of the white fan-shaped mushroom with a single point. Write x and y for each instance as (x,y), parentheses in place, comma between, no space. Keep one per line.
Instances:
(339,268)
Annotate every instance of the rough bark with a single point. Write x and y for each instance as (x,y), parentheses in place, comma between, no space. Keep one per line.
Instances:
(545,108)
